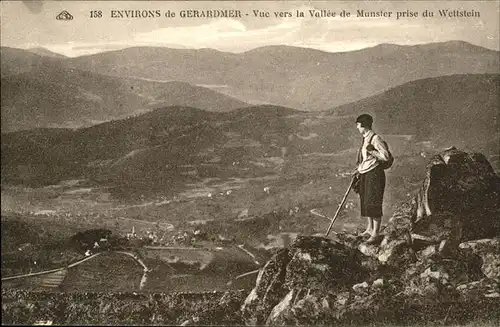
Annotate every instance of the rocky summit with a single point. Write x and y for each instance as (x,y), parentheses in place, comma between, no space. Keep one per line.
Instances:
(459,200)
(439,260)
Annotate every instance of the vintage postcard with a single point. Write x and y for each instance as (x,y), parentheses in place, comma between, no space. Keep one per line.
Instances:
(250,162)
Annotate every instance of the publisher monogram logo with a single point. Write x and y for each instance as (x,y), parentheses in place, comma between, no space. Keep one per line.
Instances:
(64,15)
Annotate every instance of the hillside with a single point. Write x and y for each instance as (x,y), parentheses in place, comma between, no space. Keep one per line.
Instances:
(301,78)
(173,93)
(62,97)
(46,53)
(16,61)
(150,147)
(458,109)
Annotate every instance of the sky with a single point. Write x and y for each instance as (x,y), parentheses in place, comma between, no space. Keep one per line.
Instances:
(28,24)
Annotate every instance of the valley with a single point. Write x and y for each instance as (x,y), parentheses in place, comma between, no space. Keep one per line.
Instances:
(260,214)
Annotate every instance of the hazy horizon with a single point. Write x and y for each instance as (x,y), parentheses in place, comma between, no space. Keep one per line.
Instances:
(84,35)
(258,47)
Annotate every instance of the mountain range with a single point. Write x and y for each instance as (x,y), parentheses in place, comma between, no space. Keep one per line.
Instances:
(159,146)
(49,94)
(43,89)
(302,78)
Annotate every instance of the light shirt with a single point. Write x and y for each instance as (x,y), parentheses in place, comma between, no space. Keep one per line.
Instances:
(369,161)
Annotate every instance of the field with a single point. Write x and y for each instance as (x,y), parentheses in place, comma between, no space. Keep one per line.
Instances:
(109,271)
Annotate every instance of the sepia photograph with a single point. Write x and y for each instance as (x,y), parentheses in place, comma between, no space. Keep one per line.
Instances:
(250,163)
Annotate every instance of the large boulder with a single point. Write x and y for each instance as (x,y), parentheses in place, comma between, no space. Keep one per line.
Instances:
(268,291)
(459,200)
(321,263)
(310,264)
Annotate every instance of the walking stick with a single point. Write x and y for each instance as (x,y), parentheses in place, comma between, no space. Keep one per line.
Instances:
(340,207)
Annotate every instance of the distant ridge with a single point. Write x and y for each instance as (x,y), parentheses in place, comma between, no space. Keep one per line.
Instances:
(59,96)
(16,61)
(463,108)
(302,78)
(46,53)
(264,48)
(75,92)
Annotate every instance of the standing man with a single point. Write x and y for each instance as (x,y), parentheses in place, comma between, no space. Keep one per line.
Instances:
(372,154)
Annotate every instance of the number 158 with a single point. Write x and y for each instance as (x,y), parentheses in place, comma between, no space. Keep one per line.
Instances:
(95,14)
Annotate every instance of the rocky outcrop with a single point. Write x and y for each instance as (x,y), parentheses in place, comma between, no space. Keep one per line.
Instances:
(437,259)
(311,263)
(459,200)
(363,291)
